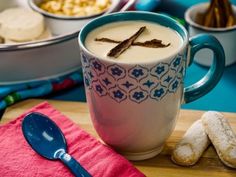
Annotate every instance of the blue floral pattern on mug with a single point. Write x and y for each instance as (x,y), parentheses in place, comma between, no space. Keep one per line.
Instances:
(160,70)
(137,83)
(97,66)
(138,72)
(138,95)
(117,94)
(116,71)
(158,92)
(176,64)
(99,88)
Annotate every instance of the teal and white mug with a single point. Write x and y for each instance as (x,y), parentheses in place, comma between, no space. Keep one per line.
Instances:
(134,107)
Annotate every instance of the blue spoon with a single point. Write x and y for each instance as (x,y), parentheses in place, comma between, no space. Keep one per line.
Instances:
(45,137)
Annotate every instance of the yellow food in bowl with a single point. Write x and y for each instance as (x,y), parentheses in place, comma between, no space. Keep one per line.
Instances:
(77,8)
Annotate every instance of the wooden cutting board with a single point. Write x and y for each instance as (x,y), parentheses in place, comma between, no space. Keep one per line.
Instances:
(161,165)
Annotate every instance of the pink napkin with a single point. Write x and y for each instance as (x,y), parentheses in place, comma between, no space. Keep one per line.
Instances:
(17,159)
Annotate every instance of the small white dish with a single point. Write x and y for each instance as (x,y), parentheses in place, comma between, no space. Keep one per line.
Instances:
(64,24)
(226,36)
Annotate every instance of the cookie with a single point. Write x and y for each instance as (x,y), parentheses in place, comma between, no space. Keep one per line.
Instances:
(222,136)
(191,147)
(19,24)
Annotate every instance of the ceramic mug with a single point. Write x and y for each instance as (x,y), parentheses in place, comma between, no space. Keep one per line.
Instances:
(134,107)
(226,36)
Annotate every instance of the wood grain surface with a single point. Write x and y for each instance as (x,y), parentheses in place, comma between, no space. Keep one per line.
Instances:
(159,166)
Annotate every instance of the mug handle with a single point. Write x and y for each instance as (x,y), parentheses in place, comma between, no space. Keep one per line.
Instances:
(209,81)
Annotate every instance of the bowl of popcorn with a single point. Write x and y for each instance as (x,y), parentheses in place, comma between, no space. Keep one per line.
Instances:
(70,15)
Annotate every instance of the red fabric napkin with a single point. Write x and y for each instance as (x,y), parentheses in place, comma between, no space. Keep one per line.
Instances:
(17,159)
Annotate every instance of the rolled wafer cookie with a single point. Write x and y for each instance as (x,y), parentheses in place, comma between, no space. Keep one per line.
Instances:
(222,136)
(190,148)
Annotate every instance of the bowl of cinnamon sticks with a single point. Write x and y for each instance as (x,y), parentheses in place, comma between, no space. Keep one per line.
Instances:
(217,18)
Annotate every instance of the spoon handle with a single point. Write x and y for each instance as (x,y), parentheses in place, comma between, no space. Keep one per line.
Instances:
(74,166)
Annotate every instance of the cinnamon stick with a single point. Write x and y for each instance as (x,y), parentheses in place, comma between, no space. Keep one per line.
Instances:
(223,11)
(217,17)
(231,18)
(103,39)
(154,43)
(208,19)
(200,17)
(2,40)
(124,45)
(231,21)
(219,14)
(227,8)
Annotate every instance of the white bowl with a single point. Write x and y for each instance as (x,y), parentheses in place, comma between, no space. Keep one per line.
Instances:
(65,24)
(226,36)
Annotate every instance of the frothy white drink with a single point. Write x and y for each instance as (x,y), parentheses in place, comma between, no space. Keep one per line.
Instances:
(120,31)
